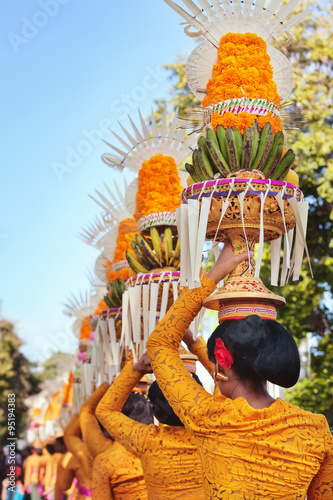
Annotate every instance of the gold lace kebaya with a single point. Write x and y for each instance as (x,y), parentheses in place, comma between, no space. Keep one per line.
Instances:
(280,452)
(117,474)
(169,456)
(82,460)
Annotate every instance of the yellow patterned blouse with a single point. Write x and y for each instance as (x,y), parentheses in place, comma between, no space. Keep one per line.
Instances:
(117,474)
(82,459)
(280,452)
(169,456)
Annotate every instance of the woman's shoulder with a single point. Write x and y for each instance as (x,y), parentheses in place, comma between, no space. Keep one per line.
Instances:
(174,437)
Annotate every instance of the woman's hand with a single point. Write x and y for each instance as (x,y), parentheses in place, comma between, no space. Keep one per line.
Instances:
(143,365)
(226,262)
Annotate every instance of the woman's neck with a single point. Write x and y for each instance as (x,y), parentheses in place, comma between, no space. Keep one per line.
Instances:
(258,398)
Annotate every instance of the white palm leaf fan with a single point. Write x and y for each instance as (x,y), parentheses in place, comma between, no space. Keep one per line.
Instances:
(99,289)
(78,307)
(101,269)
(215,19)
(142,145)
(98,286)
(113,203)
(92,234)
(115,209)
(97,297)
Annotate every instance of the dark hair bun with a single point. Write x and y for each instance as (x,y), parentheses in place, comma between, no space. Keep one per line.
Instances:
(137,408)
(261,348)
(162,409)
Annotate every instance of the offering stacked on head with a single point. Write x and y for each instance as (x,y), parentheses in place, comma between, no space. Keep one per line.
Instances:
(241,163)
(112,236)
(154,256)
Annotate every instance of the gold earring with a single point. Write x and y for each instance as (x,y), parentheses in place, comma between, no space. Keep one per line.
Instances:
(220,376)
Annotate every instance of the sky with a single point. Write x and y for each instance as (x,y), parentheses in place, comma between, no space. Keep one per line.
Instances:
(70,70)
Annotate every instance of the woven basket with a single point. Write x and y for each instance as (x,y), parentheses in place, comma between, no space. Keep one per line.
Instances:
(272,217)
(162,277)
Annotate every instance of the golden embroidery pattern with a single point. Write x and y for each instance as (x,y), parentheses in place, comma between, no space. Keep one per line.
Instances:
(81,457)
(169,456)
(280,452)
(117,474)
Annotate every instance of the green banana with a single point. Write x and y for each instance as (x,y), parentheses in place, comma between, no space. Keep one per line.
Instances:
(197,166)
(134,264)
(147,252)
(116,295)
(190,169)
(247,148)
(122,285)
(233,153)
(109,301)
(216,156)
(275,155)
(238,141)
(255,141)
(284,165)
(204,164)
(206,156)
(222,140)
(265,146)
(156,242)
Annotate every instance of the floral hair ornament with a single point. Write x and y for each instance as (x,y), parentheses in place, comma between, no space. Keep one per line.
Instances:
(222,355)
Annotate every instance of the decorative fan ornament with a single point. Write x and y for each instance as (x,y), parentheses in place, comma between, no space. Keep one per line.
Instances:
(114,207)
(78,307)
(130,195)
(202,59)
(164,140)
(92,234)
(216,18)
(102,267)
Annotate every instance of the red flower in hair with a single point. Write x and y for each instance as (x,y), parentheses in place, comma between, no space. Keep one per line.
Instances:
(222,354)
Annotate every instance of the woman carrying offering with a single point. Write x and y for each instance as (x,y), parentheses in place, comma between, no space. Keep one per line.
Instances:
(80,465)
(117,474)
(251,445)
(168,453)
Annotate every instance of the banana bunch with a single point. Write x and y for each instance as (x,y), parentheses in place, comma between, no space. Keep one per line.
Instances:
(113,299)
(227,150)
(154,252)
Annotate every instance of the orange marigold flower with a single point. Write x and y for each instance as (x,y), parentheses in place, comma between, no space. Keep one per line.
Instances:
(116,275)
(159,186)
(244,120)
(101,307)
(85,328)
(243,65)
(128,228)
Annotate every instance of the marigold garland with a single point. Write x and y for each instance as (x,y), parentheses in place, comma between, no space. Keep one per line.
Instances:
(101,307)
(85,329)
(243,66)
(244,120)
(159,186)
(123,274)
(128,228)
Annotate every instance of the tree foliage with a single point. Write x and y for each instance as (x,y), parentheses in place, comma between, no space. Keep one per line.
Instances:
(50,367)
(16,377)
(308,308)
